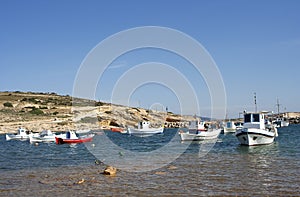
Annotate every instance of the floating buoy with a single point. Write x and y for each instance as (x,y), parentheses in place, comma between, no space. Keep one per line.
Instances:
(36,144)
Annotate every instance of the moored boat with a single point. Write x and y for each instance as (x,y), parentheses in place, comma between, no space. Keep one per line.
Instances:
(22,134)
(144,129)
(72,137)
(257,130)
(195,126)
(281,122)
(203,131)
(203,135)
(229,127)
(45,136)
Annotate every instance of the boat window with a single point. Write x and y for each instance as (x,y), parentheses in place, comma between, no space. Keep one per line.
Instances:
(255,117)
(229,125)
(247,118)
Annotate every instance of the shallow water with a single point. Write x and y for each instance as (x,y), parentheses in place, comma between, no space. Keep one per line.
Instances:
(227,169)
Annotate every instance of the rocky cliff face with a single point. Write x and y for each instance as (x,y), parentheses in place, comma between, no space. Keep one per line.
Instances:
(38,111)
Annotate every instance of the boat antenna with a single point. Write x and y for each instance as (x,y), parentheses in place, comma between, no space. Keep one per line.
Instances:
(255,102)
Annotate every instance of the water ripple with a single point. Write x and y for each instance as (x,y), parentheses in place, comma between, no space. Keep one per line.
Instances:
(228,169)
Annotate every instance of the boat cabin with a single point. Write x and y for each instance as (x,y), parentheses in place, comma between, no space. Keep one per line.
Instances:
(22,132)
(198,125)
(193,125)
(71,135)
(230,124)
(254,120)
(144,125)
(46,133)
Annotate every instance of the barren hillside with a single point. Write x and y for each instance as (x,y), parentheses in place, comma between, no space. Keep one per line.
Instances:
(38,111)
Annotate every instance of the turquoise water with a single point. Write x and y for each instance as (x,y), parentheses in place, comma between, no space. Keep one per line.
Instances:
(227,169)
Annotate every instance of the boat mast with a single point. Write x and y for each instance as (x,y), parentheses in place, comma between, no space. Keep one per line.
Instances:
(278,105)
(255,102)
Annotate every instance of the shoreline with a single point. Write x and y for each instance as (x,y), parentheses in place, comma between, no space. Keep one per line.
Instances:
(49,111)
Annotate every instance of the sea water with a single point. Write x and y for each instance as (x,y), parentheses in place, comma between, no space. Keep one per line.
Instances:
(224,168)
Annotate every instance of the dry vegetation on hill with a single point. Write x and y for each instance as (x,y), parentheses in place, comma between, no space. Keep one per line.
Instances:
(38,111)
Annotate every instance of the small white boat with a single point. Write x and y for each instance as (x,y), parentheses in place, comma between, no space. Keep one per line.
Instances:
(281,122)
(202,135)
(45,136)
(144,129)
(199,130)
(256,130)
(229,127)
(22,134)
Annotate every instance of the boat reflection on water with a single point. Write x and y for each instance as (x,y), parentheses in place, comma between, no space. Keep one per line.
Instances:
(260,150)
(259,161)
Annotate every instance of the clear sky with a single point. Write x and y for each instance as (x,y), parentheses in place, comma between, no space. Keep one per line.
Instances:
(255,44)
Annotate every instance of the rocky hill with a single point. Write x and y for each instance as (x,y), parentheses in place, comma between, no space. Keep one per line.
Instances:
(39,111)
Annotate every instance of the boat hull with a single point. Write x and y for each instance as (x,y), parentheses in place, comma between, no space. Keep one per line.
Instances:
(252,137)
(16,137)
(41,139)
(145,132)
(204,135)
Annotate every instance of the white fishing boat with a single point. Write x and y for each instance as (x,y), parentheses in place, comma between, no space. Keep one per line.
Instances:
(257,130)
(144,129)
(203,135)
(229,127)
(203,131)
(281,122)
(45,136)
(22,134)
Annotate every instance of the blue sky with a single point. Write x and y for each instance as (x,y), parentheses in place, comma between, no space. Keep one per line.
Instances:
(255,44)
